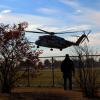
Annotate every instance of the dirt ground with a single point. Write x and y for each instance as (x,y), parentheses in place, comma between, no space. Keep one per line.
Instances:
(43,94)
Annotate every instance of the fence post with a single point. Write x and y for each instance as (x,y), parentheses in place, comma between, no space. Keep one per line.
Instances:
(28,78)
(52,65)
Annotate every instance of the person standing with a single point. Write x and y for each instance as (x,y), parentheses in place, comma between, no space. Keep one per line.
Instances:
(67,68)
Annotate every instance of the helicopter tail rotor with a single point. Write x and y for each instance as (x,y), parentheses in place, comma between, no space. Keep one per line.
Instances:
(83,37)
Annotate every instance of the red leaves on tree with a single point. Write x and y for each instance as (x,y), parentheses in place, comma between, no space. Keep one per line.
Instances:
(12,32)
(12,35)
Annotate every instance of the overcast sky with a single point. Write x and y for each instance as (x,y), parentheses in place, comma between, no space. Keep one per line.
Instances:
(55,15)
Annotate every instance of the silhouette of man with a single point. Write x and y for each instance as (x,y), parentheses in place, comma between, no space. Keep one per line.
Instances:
(67,68)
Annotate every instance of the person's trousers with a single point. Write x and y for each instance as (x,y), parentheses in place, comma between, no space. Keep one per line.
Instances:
(68,82)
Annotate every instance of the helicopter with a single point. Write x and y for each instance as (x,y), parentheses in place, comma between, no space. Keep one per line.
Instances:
(51,40)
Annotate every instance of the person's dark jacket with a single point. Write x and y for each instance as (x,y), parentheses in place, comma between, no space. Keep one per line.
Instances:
(67,67)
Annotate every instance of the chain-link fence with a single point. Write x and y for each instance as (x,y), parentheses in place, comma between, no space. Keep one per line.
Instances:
(47,73)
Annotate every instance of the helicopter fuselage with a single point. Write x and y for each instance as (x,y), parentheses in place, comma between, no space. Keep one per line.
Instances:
(53,42)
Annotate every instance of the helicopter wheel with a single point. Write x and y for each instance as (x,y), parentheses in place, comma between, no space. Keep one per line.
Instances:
(51,49)
(37,46)
(60,49)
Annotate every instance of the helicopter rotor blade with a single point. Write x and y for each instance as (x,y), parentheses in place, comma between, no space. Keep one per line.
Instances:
(46,32)
(86,36)
(75,35)
(63,32)
(43,30)
(52,33)
(89,32)
(33,32)
(31,42)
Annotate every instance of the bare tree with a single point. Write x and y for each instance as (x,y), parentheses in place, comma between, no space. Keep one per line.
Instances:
(87,75)
(14,47)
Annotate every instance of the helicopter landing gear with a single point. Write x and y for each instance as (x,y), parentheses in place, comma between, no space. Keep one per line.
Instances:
(60,49)
(37,46)
(51,49)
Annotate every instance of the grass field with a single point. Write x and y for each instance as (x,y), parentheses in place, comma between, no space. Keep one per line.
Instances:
(42,78)
(45,78)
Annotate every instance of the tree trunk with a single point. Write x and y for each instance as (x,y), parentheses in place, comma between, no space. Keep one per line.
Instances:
(6,88)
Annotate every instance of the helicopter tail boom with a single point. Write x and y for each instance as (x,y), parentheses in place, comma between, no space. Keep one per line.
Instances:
(81,39)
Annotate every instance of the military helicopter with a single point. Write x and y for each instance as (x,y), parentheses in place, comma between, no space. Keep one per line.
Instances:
(52,41)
